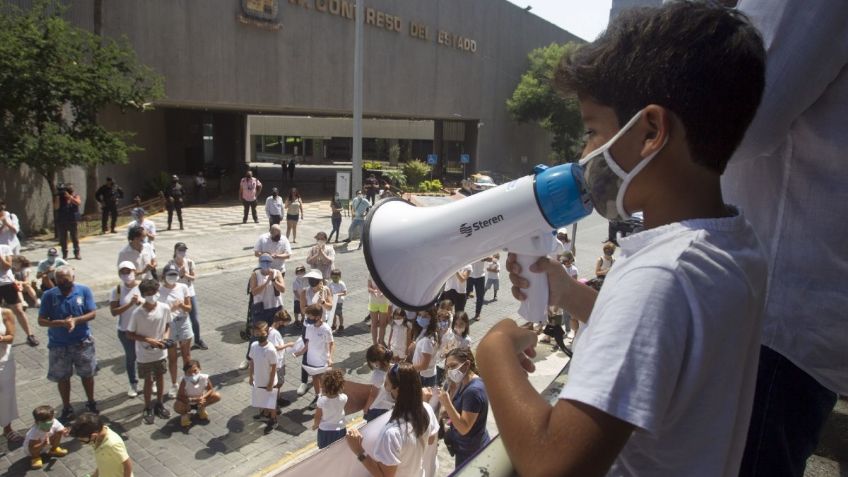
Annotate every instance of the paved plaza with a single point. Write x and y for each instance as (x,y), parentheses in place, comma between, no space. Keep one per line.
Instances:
(232,442)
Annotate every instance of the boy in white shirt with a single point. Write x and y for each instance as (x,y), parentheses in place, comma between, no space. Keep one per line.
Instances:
(573,325)
(263,375)
(299,286)
(493,275)
(149,327)
(319,345)
(658,384)
(281,320)
(338,288)
(44,436)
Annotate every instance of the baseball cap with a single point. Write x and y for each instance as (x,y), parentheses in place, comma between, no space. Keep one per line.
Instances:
(52,252)
(265,258)
(170,269)
(126,264)
(180,246)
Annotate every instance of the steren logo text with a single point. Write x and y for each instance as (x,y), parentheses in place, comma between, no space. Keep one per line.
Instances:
(467,229)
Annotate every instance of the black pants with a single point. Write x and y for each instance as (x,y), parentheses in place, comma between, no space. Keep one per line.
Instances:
(63,229)
(251,205)
(478,286)
(274,219)
(304,376)
(337,223)
(457,298)
(178,207)
(371,195)
(109,211)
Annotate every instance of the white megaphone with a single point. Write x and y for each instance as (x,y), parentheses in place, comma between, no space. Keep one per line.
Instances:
(411,251)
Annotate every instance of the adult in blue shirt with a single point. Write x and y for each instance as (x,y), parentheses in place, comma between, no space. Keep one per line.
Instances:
(466,404)
(65,311)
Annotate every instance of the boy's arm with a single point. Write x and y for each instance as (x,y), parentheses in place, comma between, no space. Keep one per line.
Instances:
(577,438)
(127,464)
(317,419)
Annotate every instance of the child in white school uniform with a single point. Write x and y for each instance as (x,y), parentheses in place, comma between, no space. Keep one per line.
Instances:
(399,338)
(338,288)
(195,392)
(263,375)
(281,320)
(329,418)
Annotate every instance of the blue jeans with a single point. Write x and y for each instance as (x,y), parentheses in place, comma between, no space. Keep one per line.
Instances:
(326,438)
(790,409)
(195,325)
(129,356)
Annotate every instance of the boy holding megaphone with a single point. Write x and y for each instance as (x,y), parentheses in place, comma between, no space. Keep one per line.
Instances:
(663,376)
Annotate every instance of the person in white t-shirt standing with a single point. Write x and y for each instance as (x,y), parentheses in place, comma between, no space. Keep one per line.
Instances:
(493,275)
(339,290)
(188,275)
(475,285)
(139,218)
(139,253)
(274,207)
(175,295)
(149,327)
(9,228)
(455,288)
(320,346)
(321,256)
(329,418)
(9,293)
(276,245)
(123,300)
(263,375)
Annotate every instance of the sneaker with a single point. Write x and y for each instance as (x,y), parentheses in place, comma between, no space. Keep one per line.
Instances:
(172,393)
(58,452)
(340,329)
(78,256)
(269,427)
(132,391)
(185,420)
(301,390)
(35,463)
(160,411)
(201,345)
(32,340)
(314,404)
(67,415)
(243,364)
(148,416)
(203,415)
(91,406)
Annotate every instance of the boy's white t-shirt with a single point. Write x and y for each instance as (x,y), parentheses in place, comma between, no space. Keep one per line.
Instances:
(150,325)
(320,337)
(453,282)
(34,434)
(399,446)
(493,275)
(126,296)
(276,340)
(337,288)
(425,345)
(332,412)
(263,357)
(672,346)
(300,284)
(193,390)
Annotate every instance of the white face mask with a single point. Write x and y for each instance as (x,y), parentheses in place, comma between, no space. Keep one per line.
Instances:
(128,277)
(195,378)
(399,322)
(151,299)
(181,253)
(606,180)
(456,375)
(170,279)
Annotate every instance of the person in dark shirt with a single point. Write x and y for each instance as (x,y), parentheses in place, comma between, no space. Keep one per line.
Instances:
(66,203)
(174,200)
(108,195)
(466,403)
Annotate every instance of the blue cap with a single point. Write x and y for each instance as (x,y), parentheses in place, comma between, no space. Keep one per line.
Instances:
(561,194)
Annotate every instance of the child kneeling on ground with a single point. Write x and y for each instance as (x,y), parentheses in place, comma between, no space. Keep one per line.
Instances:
(195,393)
(44,436)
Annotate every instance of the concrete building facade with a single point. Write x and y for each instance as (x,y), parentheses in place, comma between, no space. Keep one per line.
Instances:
(450,63)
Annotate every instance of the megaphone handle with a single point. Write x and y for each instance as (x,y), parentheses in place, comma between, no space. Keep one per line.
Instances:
(535,307)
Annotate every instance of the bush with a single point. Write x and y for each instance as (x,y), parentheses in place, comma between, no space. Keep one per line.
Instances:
(415,171)
(156,184)
(396,177)
(372,165)
(434,185)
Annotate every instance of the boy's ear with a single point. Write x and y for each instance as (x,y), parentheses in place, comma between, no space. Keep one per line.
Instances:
(656,124)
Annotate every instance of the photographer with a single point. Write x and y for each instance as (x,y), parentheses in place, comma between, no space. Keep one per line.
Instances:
(66,203)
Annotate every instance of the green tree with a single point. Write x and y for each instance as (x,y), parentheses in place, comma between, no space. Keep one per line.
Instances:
(534,100)
(54,80)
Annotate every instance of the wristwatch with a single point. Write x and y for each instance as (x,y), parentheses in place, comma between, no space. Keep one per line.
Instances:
(361,457)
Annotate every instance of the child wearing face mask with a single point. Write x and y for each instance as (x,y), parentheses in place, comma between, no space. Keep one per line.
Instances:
(329,418)
(426,345)
(379,400)
(321,256)
(445,339)
(188,274)
(339,289)
(263,375)
(398,335)
(44,436)
(319,345)
(299,286)
(175,295)
(281,320)
(149,326)
(461,330)
(123,300)
(196,393)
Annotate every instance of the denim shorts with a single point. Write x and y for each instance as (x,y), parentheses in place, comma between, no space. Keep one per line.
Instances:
(181,329)
(65,360)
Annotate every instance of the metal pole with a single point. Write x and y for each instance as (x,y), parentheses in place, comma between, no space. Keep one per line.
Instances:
(356,176)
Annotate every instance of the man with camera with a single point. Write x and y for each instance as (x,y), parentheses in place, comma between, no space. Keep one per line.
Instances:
(108,195)
(66,203)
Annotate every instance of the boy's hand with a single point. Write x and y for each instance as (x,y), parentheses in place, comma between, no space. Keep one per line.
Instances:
(314,427)
(269,387)
(506,335)
(558,279)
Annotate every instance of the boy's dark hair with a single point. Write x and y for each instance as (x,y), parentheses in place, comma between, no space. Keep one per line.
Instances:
(332,382)
(86,424)
(190,363)
(148,285)
(314,310)
(704,62)
(43,414)
(261,326)
(134,232)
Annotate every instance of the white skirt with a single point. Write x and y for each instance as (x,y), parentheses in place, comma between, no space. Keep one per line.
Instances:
(8,398)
